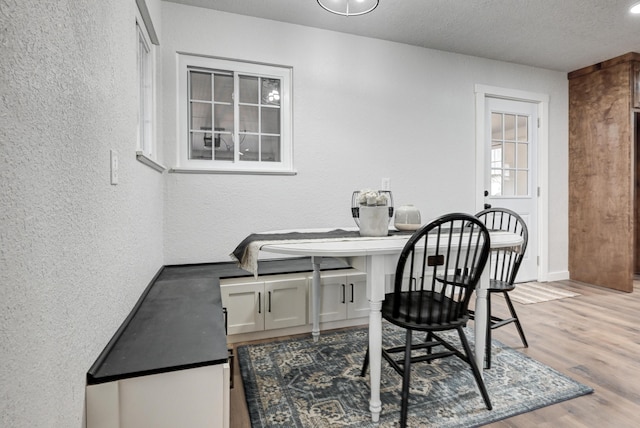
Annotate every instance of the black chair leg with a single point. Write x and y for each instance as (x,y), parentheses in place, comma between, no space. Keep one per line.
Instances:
(474,368)
(365,364)
(514,315)
(487,346)
(429,338)
(406,376)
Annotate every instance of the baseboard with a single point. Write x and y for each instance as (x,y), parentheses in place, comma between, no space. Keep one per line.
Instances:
(558,276)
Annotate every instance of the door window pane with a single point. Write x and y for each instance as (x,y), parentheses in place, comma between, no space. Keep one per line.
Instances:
(523,128)
(509,155)
(508,183)
(496,126)
(522,181)
(496,155)
(523,156)
(509,127)
(496,182)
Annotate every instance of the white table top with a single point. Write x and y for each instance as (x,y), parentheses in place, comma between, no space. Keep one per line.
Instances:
(370,245)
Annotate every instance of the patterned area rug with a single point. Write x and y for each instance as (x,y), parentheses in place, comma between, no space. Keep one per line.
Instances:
(536,292)
(299,383)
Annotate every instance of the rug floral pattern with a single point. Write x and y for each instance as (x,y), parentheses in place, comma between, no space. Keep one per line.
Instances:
(301,383)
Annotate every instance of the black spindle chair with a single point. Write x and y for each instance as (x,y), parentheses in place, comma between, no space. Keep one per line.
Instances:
(504,265)
(436,275)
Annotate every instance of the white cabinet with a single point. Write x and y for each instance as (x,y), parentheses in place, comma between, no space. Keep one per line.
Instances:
(343,295)
(197,397)
(285,302)
(267,303)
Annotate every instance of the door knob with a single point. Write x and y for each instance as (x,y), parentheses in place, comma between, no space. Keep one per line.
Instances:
(487,206)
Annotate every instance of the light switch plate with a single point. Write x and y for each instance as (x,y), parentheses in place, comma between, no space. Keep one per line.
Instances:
(114,167)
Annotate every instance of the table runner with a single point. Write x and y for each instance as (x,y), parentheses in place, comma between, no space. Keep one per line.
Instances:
(246,253)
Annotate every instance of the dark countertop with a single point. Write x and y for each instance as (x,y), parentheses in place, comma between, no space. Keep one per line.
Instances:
(265,267)
(178,322)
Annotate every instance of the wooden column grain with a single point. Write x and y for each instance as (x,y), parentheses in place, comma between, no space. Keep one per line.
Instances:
(602,175)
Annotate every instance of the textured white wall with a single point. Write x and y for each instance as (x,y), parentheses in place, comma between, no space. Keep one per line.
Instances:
(363,109)
(75,252)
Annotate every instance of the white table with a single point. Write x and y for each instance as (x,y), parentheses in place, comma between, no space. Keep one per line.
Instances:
(378,257)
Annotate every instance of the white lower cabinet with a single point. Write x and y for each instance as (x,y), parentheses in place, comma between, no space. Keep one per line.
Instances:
(197,397)
(343,295)
(268,303)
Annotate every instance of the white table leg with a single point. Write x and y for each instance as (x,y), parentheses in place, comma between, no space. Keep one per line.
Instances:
(375,357)
(375,268)
(315,298)
(480,324)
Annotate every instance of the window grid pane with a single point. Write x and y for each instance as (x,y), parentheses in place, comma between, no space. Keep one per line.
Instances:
(260,117)
(211,95)
(509,154)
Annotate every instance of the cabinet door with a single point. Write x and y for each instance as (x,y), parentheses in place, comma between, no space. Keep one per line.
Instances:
(357,303)
(285,303)
(333,297)
(245,307)
(197,397)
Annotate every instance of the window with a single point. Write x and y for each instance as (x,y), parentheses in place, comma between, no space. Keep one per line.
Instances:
(145,93)
(509,155)
(146,144)
(234,116)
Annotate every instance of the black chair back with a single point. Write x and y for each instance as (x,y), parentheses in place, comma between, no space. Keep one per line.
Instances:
(505,262)
(437,272)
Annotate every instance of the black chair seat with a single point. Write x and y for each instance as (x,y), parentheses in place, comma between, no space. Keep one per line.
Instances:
(498,286)
(422,311)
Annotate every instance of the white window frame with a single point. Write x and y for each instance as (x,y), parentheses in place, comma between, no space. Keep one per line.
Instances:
(184,164)
(146,144)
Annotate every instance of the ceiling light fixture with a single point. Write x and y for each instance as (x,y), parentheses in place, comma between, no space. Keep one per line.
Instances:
(635,8)
(349,7)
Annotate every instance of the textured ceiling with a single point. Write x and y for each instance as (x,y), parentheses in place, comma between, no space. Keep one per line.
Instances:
(561,35)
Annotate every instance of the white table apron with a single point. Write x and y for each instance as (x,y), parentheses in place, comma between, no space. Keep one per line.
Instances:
(378,258)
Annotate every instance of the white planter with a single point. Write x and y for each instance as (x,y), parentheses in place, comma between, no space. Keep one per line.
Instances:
(407,218)
(374,221)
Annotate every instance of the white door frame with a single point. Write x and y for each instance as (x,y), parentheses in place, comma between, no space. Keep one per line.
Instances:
(542,100)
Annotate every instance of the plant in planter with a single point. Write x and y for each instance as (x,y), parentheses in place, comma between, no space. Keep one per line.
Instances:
(372,210)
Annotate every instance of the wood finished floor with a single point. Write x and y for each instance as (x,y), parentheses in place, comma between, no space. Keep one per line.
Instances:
(593,338)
